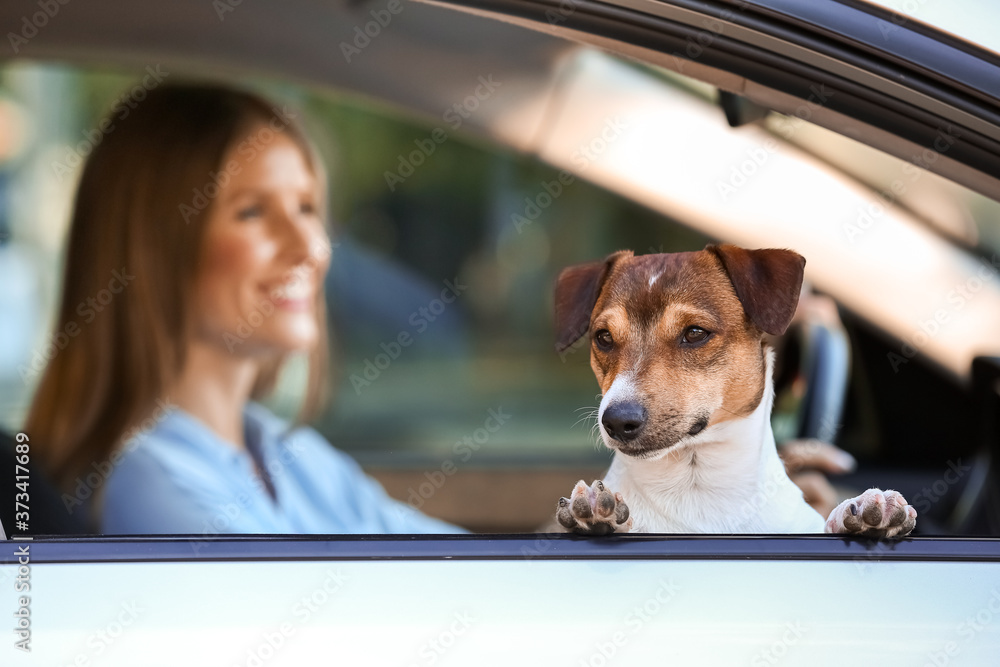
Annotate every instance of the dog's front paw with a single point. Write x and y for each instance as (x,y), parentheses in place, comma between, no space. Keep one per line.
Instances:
(874,513)
(593,510)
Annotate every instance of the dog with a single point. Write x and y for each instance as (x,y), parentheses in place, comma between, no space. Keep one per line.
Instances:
(677,343)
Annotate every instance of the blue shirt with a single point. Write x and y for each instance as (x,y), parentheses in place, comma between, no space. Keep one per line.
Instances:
(181,478)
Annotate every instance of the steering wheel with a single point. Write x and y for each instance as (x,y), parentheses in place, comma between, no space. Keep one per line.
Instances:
(813,369)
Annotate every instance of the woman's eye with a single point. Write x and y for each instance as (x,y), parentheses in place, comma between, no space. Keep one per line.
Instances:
(693,335)
(603,339)
(307,208)
(248,212)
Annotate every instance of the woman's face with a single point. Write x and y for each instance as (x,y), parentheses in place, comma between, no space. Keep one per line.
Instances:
(264,253)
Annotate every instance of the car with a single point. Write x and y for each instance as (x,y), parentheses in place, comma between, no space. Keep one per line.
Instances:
(857,134)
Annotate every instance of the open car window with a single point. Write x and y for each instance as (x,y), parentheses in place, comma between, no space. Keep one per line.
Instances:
(444,259)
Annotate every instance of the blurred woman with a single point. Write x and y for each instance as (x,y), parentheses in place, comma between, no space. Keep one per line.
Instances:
(194,269)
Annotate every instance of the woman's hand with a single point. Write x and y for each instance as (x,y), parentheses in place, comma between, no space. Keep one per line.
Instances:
(807,463)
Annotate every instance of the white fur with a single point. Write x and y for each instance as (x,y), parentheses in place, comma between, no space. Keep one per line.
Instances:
(726,479)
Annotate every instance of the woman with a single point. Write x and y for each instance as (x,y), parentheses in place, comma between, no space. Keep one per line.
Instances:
(194,269)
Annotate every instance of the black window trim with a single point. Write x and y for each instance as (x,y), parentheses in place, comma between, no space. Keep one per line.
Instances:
(542,546)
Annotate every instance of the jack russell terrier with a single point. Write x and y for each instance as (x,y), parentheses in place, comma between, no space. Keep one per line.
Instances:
(677,347)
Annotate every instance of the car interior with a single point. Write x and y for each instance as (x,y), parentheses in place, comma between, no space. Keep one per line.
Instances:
(467,220)
(481,213)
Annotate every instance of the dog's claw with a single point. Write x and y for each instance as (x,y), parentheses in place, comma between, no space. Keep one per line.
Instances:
(874,514)
(593,510)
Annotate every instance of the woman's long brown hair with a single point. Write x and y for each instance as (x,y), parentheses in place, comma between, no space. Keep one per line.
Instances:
(138,219)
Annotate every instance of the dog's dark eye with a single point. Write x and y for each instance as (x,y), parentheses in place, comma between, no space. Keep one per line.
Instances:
(694,335)
(603,339)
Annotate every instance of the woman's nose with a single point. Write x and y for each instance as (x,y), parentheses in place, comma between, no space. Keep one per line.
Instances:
(304,239)
(295,233)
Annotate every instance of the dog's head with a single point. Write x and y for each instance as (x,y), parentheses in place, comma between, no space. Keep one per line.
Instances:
(676,339)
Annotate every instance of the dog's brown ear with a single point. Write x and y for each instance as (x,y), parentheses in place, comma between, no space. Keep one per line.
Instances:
(767,283)
(577,289)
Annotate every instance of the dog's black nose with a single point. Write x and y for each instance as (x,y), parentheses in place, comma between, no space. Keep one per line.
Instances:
(624,421)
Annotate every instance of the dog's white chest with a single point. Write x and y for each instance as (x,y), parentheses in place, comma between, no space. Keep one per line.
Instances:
(675,497)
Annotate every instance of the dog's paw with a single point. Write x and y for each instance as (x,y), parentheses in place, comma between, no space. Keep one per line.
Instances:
(875,513)
(593,510)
